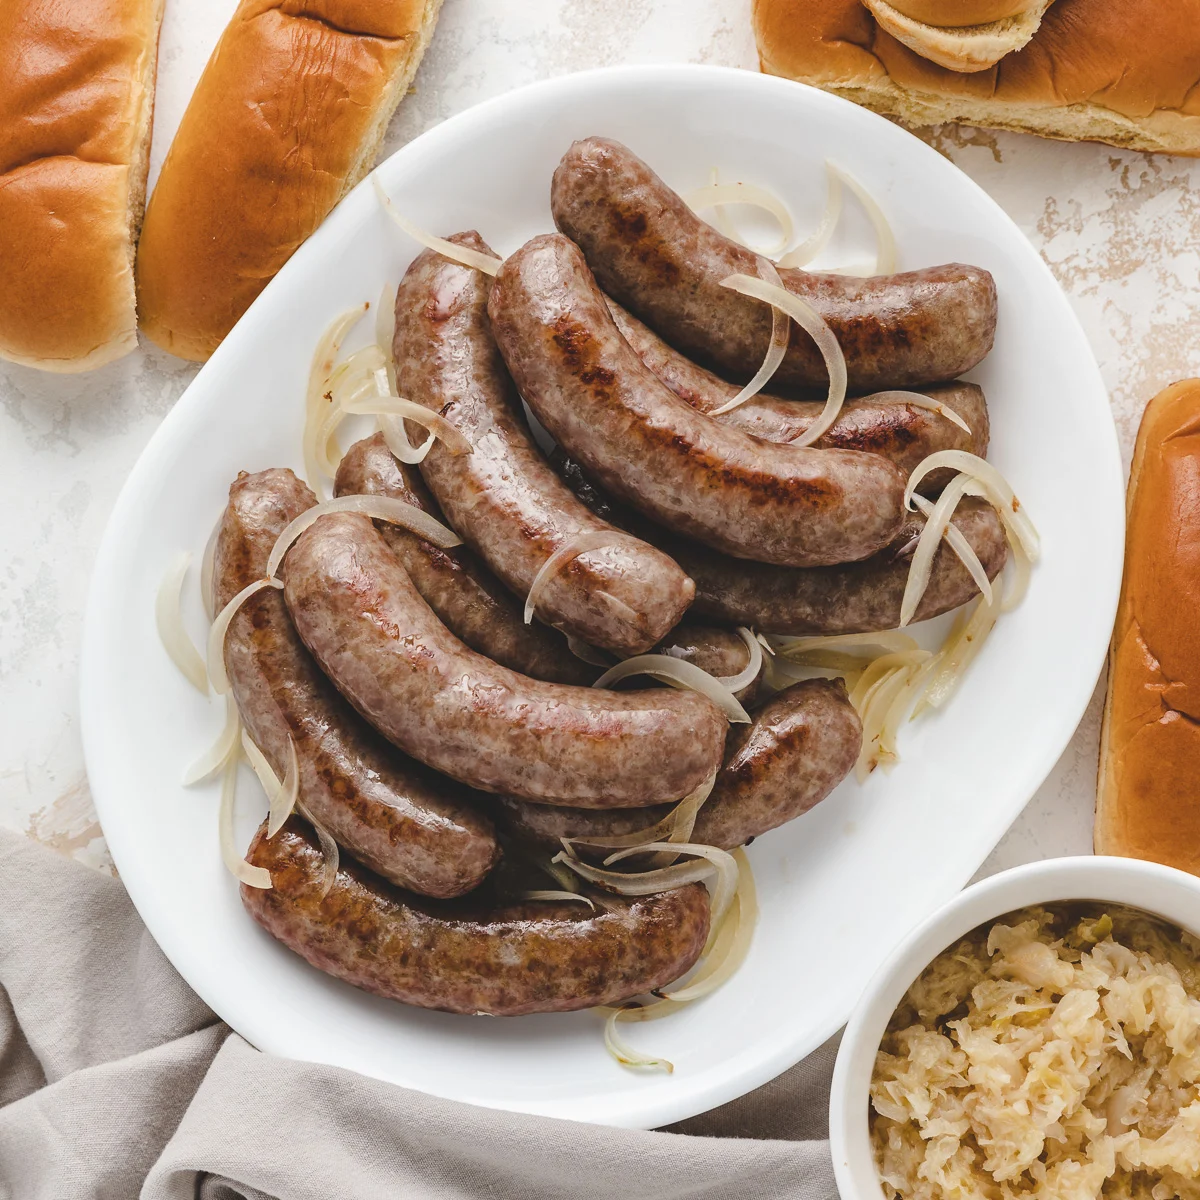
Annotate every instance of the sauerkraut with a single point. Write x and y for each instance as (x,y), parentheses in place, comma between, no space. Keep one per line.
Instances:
(1052,1053)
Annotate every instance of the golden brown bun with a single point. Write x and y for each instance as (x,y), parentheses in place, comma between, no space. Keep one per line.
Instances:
(1124,73)
(76,103)
(948,14)
(973,47)
(1148,798)
(286,119)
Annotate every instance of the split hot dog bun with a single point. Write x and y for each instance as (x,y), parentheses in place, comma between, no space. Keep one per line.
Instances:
(76,103)
(961,35)
(1127,74)
(1147,802)
(286,119)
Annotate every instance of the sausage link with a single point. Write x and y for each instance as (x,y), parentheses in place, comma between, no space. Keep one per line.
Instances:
(502,498)
(653,254)
(802,744)
(465,956)
(739,494)
(465,595)
(411,826)
(904,434)
(474,720)
(862,597)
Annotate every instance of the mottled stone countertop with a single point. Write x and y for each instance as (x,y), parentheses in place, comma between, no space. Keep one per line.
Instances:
(1121,232)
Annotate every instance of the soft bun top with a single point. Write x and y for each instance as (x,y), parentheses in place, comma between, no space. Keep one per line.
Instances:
(957,13)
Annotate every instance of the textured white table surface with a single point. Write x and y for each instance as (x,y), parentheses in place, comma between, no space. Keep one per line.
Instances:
(1121,232)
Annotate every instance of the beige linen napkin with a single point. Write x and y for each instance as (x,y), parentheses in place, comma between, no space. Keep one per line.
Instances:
(117,1082)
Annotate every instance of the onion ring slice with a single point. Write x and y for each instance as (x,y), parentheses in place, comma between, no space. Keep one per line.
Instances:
(397,406)
(459,254)
(591,540)
(916,400)
(807,250)
(885,253)
(678,673)
(552,894)
(957,542)
(745,677)
(329,850)
(239,868)
(217,755)
(716,195)
(168,616)
(781,329)
(220,627)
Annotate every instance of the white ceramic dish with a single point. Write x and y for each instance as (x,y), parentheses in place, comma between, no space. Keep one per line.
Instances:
(839,887)
(1170,894)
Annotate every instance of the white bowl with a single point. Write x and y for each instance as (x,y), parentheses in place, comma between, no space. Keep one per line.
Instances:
(1163,891)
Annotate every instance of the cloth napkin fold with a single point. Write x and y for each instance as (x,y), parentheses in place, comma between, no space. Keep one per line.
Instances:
(116,1082)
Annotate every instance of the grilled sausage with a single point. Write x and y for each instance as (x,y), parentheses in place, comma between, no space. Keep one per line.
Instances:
(862,597)
(652,254)
(739,494)
(466,956)
(465,595)
(905,434)
(802,744)
(462,714)
(502,498)
(411,826)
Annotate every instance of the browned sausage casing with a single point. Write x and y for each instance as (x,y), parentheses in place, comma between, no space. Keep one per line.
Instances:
(802,744)
(502,498)
(466,596)
(904,434)
(653,254)
(474,720)
(739,494)
(465,956)
(862,597)
(406,823)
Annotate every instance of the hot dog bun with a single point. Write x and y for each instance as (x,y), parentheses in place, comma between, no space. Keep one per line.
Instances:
(286,119)
(1147,805)
(961,37)
(1128,73)
(76,103)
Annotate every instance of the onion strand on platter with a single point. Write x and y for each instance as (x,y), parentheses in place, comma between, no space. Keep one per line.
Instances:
(486,263)
(551,894)
(916,400)
(592,540)
(957,541)
(319,380)
(207,565)
(241,870)
(745,677)
(396,437)
(885,254)
(210,763)
(220,627)
(385,329)
(781,329)
(679,673)
(380,508)
(807,250)
(893,641)
(937,522)
(624,1053)
(281,797)
(818,329)
(168,617)
(329,850)
(716,195)
(957,654)
(875,700)
(397,406)
(724,863)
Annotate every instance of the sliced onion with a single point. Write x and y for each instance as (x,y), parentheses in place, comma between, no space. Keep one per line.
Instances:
(550,894)
(715,195)
(560,875)
(885,254)
(206,568)
(957,541)
(1021,562)
(241,870)
(834,660)
(745,677)
(459,254)
(218,754)
(282,797)
(385,330)
(319,381)
(397,406)
(916,400)
(591,540)
(624,1053)
(169,618)
(722,860)
(645,883)
(360,376)
(807,250)
(878,670)
(588,654)
(781,329)
(958,653)
(396,437)
(380,508)
(679,673)
(891,640)
(220,627)
(936,524)
(875,704)
(818,329)
(902,706)
(329,850)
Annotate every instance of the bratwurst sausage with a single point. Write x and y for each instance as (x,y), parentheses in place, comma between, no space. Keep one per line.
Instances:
(653,254)
(467,956)
(470,718)
(501,498)
(802,744)
(465,595)
(737,493)
(411,826)
(903,433)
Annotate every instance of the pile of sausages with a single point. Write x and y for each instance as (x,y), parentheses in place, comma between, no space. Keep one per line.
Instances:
(427,715)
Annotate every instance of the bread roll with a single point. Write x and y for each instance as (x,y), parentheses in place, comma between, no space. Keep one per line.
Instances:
(1148,798)
(76,102)
(953,14)
(287,117)
(1127,74)
(971,45)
